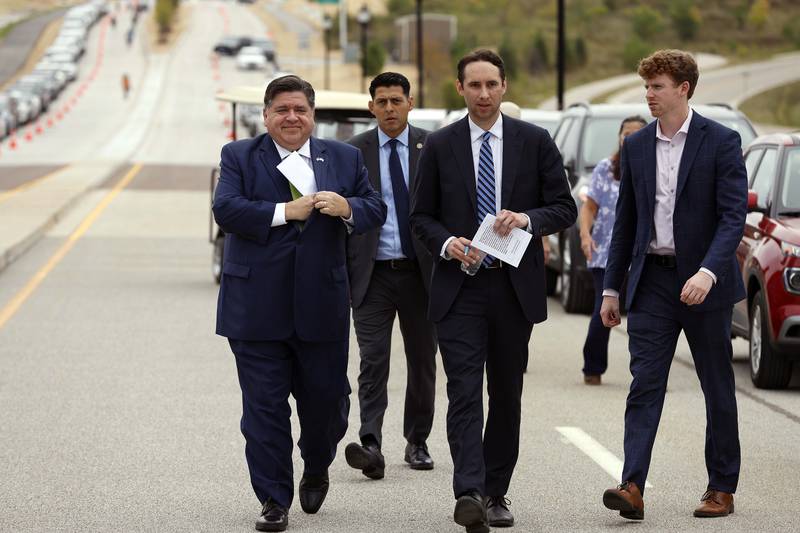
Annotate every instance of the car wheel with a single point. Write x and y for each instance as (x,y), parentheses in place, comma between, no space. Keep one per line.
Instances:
(216,257)
(576,296)
(768,370)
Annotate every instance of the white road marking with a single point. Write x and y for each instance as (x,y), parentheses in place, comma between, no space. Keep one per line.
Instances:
(596,451)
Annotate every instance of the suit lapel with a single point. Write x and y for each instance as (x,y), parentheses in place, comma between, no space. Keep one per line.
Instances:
(271,159)
(462,150)
(650,170)
(414,145)
(319,162)
(512,151)
(694,139)
(372,159)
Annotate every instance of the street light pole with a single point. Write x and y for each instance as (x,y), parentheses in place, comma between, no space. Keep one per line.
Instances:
(363,19)
(420,69)
(327,24)
(561,67)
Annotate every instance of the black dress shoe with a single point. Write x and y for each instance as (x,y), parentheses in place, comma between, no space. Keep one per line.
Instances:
(367,458)
(417,456)
(497,512)
(274,517)
(313,490)
(470,512)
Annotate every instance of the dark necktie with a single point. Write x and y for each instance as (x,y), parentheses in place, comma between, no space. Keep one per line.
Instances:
(400,199)
(486,184)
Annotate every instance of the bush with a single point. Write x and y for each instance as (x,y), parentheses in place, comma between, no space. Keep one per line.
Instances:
(537,59)
(164,13)
(758,14)
(581,52)
(646,21)
(634,50)
(450,97)
(686,18)
(509,54)
(375,58)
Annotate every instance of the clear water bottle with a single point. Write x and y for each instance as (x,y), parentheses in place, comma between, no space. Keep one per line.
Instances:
(473,269)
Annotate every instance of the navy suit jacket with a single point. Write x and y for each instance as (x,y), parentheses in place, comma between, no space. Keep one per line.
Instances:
(444,199)
(709,216)
(283,280)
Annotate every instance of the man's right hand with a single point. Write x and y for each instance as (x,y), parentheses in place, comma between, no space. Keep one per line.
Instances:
(300,209)
(609,311)
(455,249)
(588,246)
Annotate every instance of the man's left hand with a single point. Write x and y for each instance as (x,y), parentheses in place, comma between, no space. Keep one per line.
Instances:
(507,220)
(696,289)
(332,204)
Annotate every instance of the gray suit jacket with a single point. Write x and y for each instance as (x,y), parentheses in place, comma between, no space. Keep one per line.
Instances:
(362,249)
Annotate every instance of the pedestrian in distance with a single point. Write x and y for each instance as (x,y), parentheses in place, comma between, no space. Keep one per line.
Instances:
(389,271)
(680,217)
(596,221)
(486,163)
(284,296)
(126,85)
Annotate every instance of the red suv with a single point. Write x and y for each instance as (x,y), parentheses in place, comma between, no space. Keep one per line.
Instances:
(769,256)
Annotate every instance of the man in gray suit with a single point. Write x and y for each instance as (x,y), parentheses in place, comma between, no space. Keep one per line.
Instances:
(389,275)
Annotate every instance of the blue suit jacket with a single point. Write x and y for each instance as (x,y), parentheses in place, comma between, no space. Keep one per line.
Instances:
(284,280)
(709,216)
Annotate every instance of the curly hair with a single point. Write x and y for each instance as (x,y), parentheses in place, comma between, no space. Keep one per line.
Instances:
(680,66)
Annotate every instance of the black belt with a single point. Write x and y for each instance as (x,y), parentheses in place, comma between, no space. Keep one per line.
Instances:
(664,261)
(398,264)
(495,264)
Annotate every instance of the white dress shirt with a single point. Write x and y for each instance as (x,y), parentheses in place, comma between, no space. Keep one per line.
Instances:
(496,144)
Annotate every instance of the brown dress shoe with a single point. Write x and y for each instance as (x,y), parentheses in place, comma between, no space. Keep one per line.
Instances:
(592,379)
(627,499)
(715,503)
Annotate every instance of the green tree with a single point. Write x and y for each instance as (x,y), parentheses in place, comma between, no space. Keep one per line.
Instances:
(611,5)
(537,59)
(758,14)
(376,57)
(646,22)
(400,7)
(509,54)
(686,18)
(450,97)
(581,52)
(634,50)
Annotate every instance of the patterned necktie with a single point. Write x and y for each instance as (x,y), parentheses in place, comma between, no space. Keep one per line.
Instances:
(485,184)
(401,202)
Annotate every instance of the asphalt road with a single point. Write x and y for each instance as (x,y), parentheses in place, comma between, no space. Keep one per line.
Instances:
(120,407)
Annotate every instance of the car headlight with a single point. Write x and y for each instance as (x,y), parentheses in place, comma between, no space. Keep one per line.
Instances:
(790,249)
(793,279)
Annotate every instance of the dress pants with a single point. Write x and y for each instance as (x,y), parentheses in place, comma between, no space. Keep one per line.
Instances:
(595,349)
(484,327)
(316,375)
(395,292)
(655,321)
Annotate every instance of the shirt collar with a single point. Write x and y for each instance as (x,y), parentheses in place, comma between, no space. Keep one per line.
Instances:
(304,150)
(476,131)
(402,138)
(683,129)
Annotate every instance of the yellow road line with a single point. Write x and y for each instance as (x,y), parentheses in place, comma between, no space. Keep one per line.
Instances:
(28,184)
(16,302)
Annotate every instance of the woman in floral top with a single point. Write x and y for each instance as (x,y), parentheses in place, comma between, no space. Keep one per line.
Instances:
(596,223)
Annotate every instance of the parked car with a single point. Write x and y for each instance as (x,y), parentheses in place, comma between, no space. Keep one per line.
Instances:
(427,118)
(769,257)
(585,135)
(230,45)
(251,58)
(267,47)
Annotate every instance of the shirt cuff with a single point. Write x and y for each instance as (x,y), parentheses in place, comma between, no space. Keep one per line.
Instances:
(279,216)
(528,228)
(611,292)
(707,271)
(444,253)
(349,222)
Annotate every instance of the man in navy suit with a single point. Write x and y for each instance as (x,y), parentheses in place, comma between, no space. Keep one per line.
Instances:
(284,295)
(680,217)
(486,163)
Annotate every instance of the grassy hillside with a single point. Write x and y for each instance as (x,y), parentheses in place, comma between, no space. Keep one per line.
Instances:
(605,37)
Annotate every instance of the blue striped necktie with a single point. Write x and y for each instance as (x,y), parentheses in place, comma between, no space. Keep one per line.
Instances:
(486,184)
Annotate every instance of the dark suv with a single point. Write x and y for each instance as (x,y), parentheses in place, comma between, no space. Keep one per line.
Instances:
(769,256)
(585,135)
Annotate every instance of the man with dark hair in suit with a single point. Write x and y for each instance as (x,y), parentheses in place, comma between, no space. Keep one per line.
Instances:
(680,216)
(389,272)
(486,163)
(283,298)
